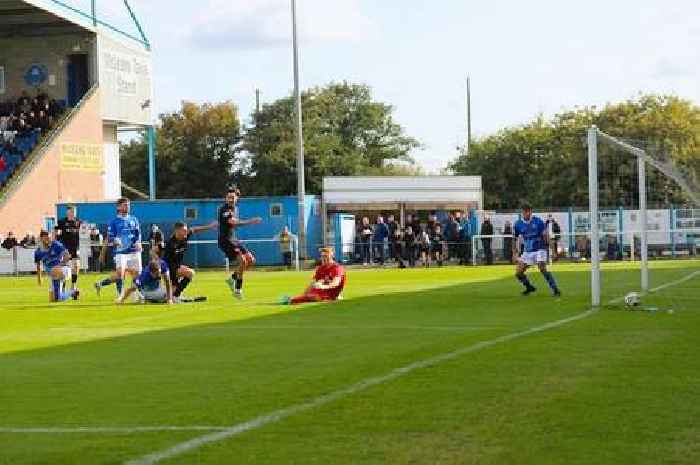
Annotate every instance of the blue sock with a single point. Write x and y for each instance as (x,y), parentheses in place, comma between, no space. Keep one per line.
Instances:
(120,285)
(550,280)
(523,279)
(57,293)
(106,282)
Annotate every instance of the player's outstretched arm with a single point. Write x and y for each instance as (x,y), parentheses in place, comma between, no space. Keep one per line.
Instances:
(207,227)
(237,222)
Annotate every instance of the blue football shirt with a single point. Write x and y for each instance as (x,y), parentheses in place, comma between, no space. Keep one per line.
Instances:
(147,282)
(50,257)
(532,233)
(124,232)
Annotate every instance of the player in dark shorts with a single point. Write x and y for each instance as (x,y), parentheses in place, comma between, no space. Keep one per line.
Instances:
(234,250)
(68,234)
(173,253)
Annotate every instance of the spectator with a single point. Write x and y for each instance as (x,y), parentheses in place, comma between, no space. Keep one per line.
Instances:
(365,234)
(410,246)
(381,233)
(423,242)
(156,240)
(454,248)
(555,231)
(393,226)
(397,246)
(508,242)
(437,244)
(28,241)
(286,240)
(95,248)
(465,239)
(432,222)
(487,230)
(417,227)
(10,241)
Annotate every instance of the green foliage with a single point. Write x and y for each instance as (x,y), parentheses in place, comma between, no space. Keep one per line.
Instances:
(553,152)
(345,133)
(197,151)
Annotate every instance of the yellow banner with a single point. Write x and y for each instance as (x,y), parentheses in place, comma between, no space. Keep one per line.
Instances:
(82,157)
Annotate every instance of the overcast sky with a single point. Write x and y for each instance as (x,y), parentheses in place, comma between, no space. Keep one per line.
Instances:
(524,57)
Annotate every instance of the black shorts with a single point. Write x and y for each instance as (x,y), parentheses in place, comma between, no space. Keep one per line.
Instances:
(173,267)
(232,249)
(74,252)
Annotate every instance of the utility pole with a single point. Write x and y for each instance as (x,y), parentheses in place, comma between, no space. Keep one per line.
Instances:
(469,115)
(257,101)
(301,189)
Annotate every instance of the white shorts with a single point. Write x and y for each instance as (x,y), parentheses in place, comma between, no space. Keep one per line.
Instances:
(532,258)
(128,261)
(155,296)
(67,273)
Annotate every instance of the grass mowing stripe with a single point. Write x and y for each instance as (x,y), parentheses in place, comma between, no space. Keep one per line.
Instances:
(273,417)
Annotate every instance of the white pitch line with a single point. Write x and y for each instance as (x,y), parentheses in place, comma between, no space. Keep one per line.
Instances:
(273,417)
(108,429)
(281,414)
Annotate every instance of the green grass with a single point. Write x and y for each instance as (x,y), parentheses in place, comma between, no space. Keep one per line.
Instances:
(616,387)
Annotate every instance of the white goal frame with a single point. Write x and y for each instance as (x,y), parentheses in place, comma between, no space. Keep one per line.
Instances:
(595,134)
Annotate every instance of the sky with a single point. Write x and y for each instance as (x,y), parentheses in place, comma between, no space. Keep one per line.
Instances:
(524,58)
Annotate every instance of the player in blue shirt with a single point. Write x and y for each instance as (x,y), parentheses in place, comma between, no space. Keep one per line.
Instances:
(55,259)
(124,236)
(535,241)
(149,284)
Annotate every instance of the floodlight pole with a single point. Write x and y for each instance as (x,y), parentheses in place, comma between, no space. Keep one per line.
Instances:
(301,189)
(644,255)
(593,200)
(151,136)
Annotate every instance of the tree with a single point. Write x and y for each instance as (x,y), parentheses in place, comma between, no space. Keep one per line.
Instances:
(553,152)
(197,152)
(345,133)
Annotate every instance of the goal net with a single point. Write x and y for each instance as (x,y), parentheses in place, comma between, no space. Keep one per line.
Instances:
(644,231)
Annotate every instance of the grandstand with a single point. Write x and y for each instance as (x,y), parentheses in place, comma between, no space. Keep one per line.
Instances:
(68,82)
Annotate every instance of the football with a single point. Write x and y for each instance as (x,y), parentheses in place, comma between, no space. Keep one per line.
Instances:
(632,300)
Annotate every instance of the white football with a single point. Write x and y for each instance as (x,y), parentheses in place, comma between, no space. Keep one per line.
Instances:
(632,299)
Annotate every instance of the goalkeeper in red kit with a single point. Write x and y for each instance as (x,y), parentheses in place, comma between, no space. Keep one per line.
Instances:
(328,282)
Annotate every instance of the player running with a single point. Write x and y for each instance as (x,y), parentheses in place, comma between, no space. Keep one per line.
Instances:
(149,284)
(534,233)
(55,258)
(124,235)
(68,234)
(173,252)
(234,250)
(328,282)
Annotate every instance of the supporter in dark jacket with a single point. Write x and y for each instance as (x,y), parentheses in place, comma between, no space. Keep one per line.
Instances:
(381,233)
(487,230)
(364,233)
(10,242)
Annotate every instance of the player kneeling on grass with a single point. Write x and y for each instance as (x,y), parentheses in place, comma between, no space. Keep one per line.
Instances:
(55,258)
(328,282)
(150,284)
(534,233)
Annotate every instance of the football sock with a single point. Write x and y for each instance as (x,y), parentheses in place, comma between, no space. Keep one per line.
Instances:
(550,280)
(120,285)
(523,279)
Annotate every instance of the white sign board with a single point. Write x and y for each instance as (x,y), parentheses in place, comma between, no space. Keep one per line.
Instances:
(125,76)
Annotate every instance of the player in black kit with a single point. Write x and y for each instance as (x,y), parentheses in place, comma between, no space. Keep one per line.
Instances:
(234,250)
(68,234)
(173,253)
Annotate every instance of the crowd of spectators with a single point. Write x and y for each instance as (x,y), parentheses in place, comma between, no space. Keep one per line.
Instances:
(22,121)
(415,243)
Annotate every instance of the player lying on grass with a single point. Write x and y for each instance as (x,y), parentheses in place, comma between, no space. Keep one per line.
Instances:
(55,258)
(233,249)
(153,284)
(534,233)
(173,252)
(328,282)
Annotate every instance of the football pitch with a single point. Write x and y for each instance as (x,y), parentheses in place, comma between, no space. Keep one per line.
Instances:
(440,366)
